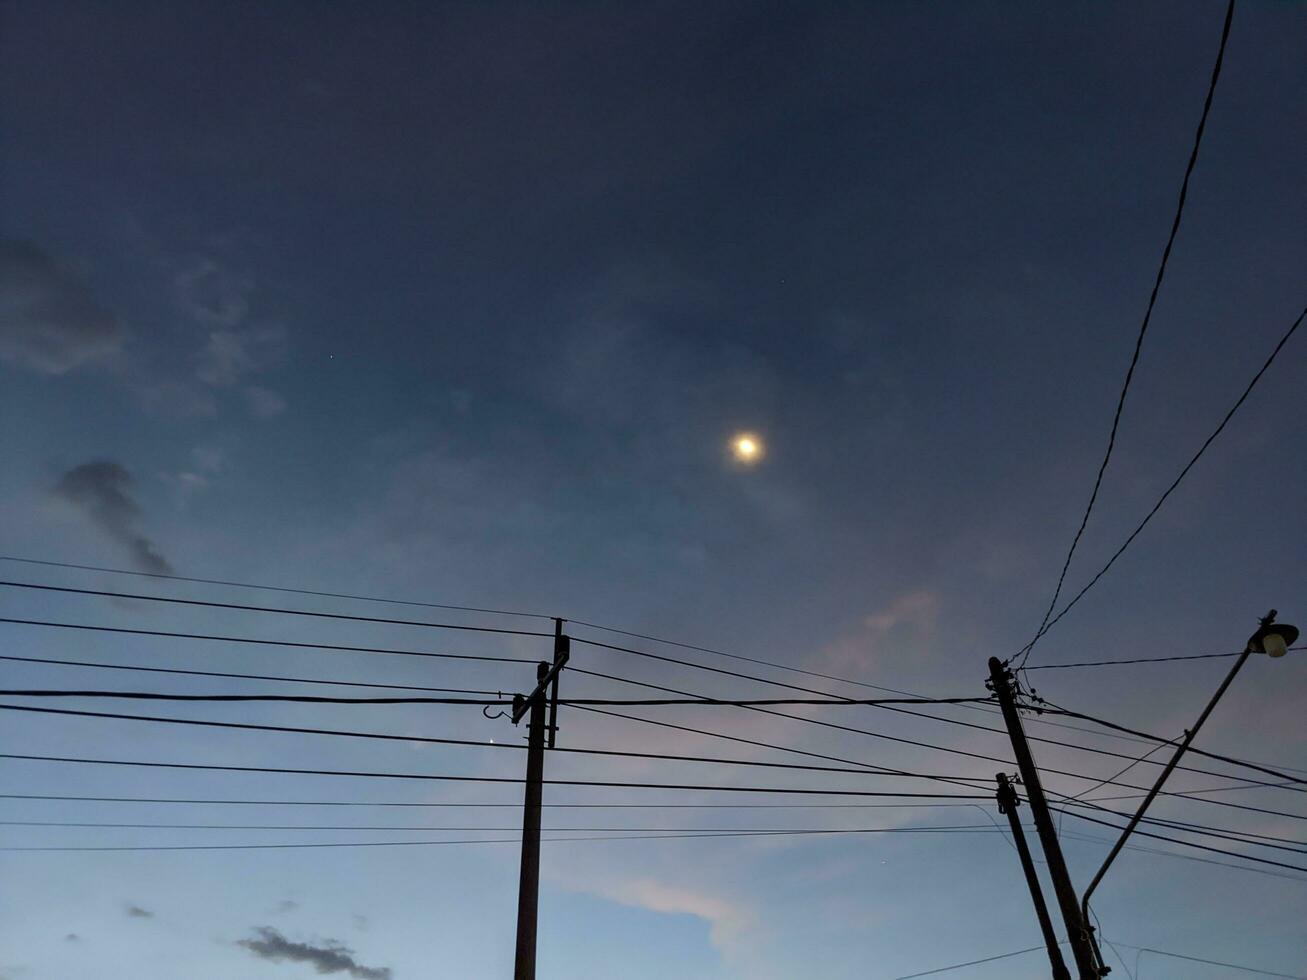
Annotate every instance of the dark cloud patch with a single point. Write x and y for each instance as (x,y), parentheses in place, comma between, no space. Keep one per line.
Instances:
(329,957)
(101,490)
(49,321)
(136,912)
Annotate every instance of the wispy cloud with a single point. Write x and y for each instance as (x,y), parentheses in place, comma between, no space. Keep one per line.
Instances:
(329,956)
(49,320)
(211,293)
(263,403)
(230,355)
(727,920)
(101,491)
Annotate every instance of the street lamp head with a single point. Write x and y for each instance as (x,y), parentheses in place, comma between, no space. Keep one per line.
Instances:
(1272,638)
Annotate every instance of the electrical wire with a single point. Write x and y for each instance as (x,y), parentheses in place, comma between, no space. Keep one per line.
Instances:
(1198,959)
(501,700)
(261,642)
(959,966)
(610,784)
(871,768)
(1189,843)
(248,677)
(1174,483)
(916,742)
(1221,833)
(1166,741)
(796,831)
(515,805)
(501,745)
(271,609)
(1143,327)
(1192,858)
(612,753)
(271,588)
(416,843)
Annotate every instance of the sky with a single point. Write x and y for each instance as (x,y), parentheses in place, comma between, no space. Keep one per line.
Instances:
(464,304)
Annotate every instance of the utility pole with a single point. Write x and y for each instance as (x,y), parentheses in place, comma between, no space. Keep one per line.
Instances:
(1008,801)
(1000,682)
(528,888)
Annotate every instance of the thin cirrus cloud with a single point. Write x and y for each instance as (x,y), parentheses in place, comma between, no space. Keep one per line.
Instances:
(101,492)
(329,956)
(49,320)
(51,323)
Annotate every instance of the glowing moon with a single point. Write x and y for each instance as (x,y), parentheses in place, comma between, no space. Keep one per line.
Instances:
(747,448)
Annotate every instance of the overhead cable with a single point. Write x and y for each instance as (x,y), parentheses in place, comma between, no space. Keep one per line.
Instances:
(271,609)
(1143,326)
(271,588)
(1174,483)
(261,642)
(610,784)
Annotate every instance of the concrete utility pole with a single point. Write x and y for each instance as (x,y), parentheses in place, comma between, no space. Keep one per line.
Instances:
(1000,681)
(1008,801)
(528,888)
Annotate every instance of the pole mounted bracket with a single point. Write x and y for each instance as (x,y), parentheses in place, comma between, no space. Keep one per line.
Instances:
(546,683)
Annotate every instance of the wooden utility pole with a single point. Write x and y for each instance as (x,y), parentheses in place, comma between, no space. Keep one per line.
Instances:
(1008,801)
(528,889)
(1000,681)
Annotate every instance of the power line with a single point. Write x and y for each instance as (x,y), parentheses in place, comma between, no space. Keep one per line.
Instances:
(882,705)
(1192,858)
(272,588)
(1178,480)
(1198,959)
(614,753)
(271,609)
(959,966)
(295,730)
(685,806)
(1188,843)
(914,742)
(378,599)
(501,700)
(462,805)
(1167,741)
(418,843)
(872,768)
(1194,796)
(610,784)
(1274,843)
(1143,327)
(796,831)
(409,653)
(247,677)
(1134,660)
(220,638)
(1140,949)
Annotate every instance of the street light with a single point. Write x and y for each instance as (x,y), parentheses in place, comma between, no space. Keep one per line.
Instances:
(1272,639)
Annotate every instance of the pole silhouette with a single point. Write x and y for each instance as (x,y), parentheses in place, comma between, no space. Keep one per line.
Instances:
(1008,801)
(1000,681)
(537,703)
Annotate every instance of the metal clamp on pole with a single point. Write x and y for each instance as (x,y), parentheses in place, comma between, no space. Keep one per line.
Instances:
(522,702)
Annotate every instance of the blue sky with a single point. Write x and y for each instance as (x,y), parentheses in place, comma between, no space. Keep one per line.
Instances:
(463,303)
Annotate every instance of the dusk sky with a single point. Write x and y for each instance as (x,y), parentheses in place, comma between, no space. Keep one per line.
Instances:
(465,304)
